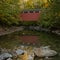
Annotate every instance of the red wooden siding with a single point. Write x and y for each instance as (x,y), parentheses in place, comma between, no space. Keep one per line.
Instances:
(29,16)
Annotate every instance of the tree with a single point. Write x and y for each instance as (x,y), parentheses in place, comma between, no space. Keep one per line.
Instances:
(29,4)
(50,16)
(9,10)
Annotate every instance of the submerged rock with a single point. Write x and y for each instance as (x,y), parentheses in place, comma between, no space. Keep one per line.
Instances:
(19,52)
(5,55)
(30,57)
(44,52)
(22,54)
(9,59)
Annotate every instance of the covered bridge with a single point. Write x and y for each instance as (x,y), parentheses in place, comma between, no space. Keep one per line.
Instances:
(30,15)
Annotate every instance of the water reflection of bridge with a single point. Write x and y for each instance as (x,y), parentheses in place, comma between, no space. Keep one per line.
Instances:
(26,39)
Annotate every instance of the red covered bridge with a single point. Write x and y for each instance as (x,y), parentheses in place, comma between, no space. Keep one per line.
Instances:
(30,15)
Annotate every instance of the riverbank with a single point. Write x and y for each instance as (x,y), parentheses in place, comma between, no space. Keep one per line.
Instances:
(9,30)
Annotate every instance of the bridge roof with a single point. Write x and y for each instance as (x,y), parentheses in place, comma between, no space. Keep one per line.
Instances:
(25,10)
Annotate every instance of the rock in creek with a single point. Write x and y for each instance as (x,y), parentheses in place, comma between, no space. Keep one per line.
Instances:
(5,55)
(44,52)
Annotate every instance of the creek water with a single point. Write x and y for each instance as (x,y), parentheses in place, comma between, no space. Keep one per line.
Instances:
(45,39)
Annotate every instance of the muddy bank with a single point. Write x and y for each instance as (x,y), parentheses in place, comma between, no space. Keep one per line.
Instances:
(9,30)
(5,30)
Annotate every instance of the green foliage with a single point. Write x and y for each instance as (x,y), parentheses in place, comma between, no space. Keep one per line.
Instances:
(9,10)
(50,16)
(33,4)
